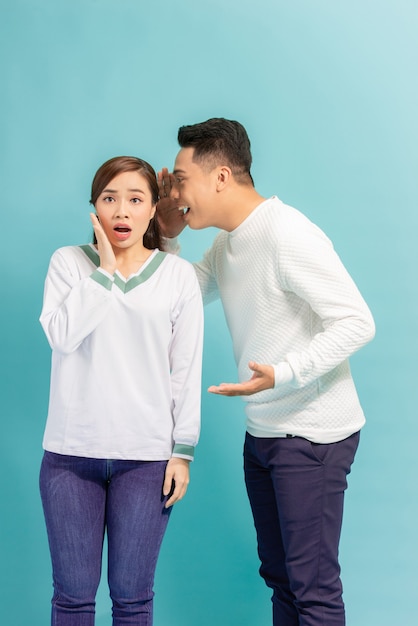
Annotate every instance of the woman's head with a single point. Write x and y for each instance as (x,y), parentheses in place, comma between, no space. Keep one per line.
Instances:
(119,165)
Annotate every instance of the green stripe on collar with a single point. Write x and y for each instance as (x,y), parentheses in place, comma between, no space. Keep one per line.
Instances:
(132,282)
(91,253)
(102,279)
(143,276)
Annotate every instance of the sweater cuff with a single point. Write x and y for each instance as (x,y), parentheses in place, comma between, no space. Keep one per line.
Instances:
(183,451)
(283,374)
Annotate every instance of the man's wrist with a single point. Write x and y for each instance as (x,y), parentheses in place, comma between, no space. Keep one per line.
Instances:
(283,374)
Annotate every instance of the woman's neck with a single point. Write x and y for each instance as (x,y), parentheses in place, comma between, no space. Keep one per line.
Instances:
(130,260)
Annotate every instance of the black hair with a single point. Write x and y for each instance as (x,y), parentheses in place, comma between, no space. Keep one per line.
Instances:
(219,141)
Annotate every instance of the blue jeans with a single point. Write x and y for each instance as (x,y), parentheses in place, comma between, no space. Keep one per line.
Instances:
(83,497)
(296,492)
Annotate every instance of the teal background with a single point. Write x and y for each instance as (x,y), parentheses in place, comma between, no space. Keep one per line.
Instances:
(327,90)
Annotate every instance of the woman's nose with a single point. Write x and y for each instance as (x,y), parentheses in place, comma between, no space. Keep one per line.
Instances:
(122,209)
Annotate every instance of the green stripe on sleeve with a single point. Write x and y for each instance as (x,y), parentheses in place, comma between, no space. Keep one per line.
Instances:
(183,450)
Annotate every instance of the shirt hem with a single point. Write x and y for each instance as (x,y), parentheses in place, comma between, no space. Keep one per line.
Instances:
(314,436)
(110,454)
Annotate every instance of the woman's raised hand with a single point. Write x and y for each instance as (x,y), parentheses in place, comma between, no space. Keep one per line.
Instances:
(106,254)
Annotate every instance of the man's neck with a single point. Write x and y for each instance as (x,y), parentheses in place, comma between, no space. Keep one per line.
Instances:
(237,206)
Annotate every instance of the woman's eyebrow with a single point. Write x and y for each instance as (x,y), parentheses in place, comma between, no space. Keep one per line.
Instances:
(130,190)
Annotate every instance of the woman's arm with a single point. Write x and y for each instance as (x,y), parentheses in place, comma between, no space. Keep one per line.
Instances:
(186,367)
(73,305)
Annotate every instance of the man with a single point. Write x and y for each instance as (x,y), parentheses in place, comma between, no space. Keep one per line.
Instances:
(295,317)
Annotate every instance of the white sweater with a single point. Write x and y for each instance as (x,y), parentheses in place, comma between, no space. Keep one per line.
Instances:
(126,360)
(289,302)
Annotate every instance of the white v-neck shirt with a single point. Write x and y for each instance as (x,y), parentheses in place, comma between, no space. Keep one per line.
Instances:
(126,357)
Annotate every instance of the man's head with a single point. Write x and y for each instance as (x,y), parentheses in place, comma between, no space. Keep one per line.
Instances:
(211,176)
(218,142)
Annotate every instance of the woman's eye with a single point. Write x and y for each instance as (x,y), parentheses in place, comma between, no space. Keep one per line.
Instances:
(108,199)
(178,180)
(136,200)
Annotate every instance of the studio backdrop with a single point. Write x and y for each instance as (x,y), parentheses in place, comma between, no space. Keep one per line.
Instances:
(327,90)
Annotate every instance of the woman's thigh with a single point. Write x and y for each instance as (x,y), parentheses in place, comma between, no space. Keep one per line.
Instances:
(73,492)
(136,521)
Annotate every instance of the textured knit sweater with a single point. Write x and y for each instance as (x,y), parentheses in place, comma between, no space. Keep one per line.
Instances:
(289,302)
(126,357)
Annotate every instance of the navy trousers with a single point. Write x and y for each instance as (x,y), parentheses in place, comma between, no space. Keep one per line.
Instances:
(296,492)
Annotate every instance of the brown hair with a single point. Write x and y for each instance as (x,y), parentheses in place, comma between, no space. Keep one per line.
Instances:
(119,165)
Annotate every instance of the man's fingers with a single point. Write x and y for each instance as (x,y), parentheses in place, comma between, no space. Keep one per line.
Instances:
(262,378)
(164,182)
(230,389)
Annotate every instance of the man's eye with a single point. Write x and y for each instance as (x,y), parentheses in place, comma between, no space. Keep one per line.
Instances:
(178,180)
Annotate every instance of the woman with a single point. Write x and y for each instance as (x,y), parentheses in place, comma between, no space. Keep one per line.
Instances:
(124,321)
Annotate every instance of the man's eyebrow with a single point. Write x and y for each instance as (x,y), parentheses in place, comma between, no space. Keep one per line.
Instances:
(179,172)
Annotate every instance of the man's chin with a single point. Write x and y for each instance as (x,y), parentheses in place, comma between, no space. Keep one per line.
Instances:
(192,222)
(195,226)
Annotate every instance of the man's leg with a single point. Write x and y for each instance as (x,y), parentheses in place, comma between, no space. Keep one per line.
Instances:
(263,503)
(309,482)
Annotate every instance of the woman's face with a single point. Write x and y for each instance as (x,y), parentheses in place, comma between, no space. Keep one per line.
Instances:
(125,209)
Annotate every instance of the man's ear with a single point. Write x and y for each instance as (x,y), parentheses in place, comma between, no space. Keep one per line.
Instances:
(224,177)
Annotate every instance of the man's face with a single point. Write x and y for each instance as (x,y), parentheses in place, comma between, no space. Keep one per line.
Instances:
(195,189)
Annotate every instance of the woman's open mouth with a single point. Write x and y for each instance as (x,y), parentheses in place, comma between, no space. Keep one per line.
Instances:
(122,231)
